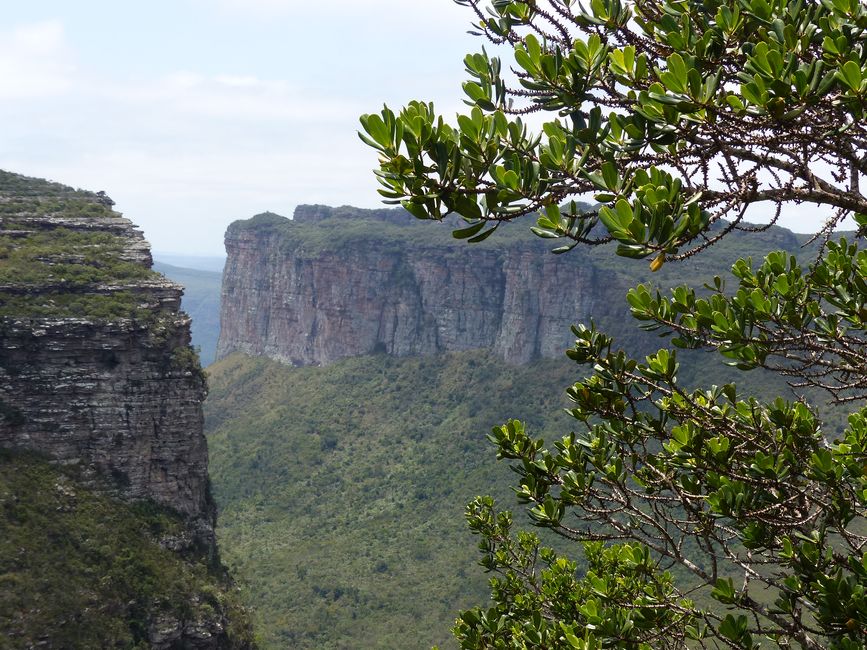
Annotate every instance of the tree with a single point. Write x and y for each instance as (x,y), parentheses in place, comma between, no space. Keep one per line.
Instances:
(679,116)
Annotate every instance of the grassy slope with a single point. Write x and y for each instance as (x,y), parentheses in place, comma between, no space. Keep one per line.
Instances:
(341,489)
(64,269)
(81,570)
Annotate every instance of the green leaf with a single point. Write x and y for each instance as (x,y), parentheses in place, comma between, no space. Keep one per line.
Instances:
(850,74)
(677,67)
(415,210)
(376,129)
(724,591)
(564,249)
(544,234)
(483,236)
(609,175)
(469,231)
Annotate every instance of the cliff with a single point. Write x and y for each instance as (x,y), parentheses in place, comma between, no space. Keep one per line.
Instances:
(96,370)
(340,282)
(335,283)
(95,364)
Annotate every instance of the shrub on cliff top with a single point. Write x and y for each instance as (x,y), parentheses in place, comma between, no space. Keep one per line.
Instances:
(54,262)
(678,116)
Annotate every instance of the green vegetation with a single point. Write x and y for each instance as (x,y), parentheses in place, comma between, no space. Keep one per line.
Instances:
(349,228)
(79,569)
(341,488)
(75,206)
(23,196)
(67,257)
(91,306)
(50,267)
(679,117)
(186,359)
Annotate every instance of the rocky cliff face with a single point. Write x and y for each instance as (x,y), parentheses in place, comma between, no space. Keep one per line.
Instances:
(95,364)
(117,398)
(96,370)
(334,283)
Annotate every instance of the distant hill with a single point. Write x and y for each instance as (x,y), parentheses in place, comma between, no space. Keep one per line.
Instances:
(198,262)
(201,301)
(340,282)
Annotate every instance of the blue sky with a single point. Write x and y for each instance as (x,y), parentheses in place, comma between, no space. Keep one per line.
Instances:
(193,113)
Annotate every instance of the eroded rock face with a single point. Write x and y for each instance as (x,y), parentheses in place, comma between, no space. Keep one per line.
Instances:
(96,367)
(313,290)
(117,398)
(97,372)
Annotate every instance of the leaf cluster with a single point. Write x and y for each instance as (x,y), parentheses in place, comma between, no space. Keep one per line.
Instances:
(803,323)
(710,481)
(540,601)
(675,115)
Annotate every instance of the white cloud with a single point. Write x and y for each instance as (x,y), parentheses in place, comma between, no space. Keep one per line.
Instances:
(184,154)
(34,61)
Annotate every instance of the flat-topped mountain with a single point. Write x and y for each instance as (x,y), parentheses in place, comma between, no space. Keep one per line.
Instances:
(340,282)
(334,283)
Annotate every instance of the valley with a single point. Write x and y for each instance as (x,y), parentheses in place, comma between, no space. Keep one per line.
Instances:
(340,477)
(341,488)
(467,325)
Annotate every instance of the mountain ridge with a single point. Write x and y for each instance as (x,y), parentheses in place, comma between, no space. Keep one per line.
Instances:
(333,284)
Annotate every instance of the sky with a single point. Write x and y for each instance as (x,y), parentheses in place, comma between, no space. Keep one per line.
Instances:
(191,114)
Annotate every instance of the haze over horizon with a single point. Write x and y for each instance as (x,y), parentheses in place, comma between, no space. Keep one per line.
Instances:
(195,113)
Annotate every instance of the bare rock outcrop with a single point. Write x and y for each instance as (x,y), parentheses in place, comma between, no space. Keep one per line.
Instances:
(333,283)
(117,398)
(96,367)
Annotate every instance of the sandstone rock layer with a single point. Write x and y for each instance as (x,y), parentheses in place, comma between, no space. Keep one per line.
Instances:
(95,361)
(333,283)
